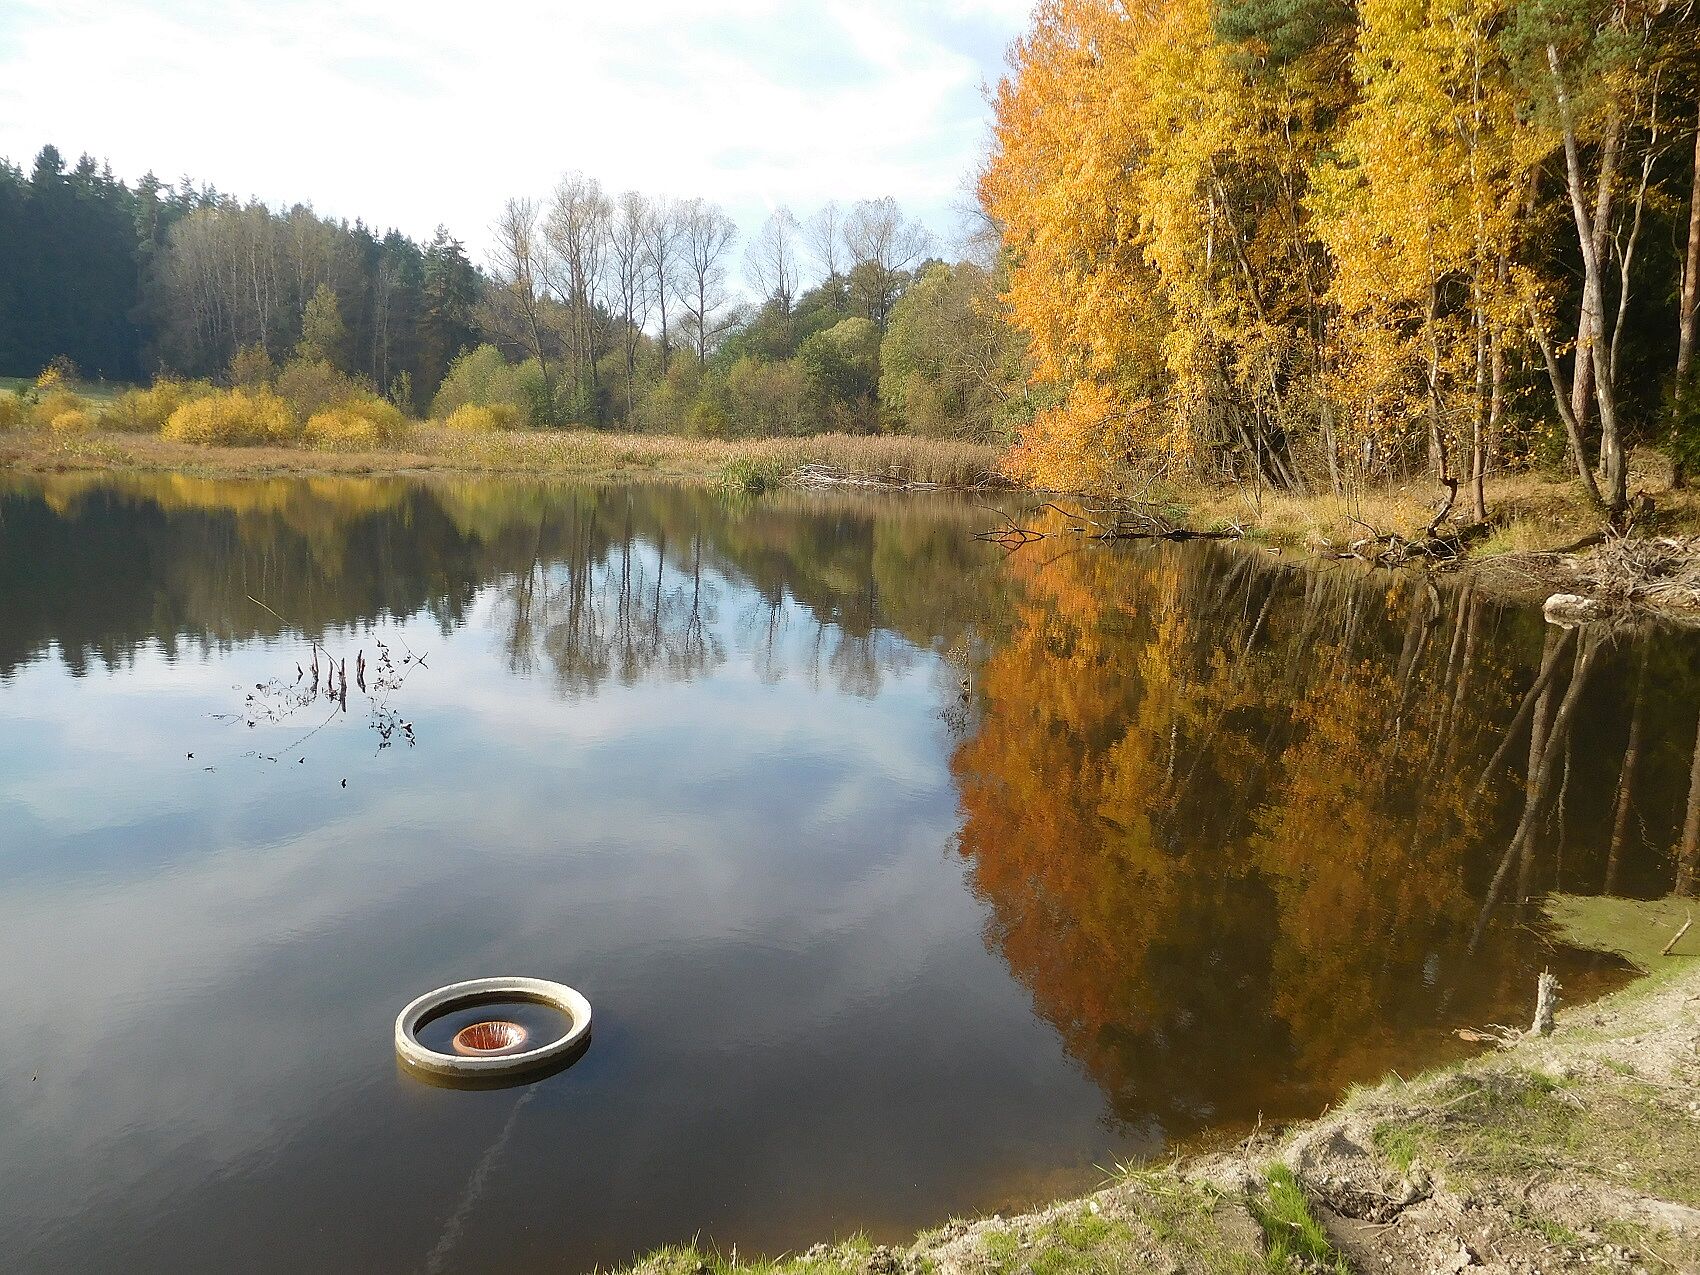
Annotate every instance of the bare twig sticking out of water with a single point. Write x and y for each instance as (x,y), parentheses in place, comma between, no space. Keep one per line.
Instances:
(275,701)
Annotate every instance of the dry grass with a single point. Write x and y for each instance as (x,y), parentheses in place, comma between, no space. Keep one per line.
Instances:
(564,453)
(1529,512)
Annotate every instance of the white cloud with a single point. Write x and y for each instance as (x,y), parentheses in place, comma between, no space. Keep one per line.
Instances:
(433,112)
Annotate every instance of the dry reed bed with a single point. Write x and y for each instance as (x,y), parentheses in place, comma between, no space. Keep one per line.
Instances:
(565,453)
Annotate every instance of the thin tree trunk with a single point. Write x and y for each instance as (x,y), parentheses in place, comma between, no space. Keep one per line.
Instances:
(1686,312)
(1590,320)
(1437,457)
(1561,400)
(1496,412)
(1612,460)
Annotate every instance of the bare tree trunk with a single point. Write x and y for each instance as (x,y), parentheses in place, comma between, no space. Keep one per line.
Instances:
(1496,412)
(1437,458)
(1588,232)
(1690,295)
(1590,320)
(1561,400)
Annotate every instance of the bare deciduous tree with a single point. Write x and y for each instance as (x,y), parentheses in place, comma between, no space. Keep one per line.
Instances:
(825,231)
(576,232)
(662,260)
(883,245)
(629,277)
(516,261)
(771,260)
(706,235)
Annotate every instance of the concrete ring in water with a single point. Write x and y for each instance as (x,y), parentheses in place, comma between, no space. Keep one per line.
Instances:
(488,1056)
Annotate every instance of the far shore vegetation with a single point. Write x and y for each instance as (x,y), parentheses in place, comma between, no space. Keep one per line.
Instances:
(1311,269)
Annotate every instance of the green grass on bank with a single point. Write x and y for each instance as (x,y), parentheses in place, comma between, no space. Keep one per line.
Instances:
(99,393)
(1638,930)
(1296,1240)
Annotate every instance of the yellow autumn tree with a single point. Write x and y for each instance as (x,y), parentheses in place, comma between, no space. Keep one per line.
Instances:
(1149,175)
(1062,184)
(1421,210)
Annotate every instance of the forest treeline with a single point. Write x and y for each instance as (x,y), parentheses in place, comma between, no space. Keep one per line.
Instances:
(595,309)
(1316,244)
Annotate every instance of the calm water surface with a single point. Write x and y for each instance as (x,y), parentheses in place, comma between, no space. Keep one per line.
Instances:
(907,878)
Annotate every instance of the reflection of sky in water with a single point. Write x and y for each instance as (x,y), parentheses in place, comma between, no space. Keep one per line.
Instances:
(748,874)
(867,949)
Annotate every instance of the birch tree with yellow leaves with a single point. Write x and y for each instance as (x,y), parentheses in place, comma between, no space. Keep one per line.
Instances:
(1312,245)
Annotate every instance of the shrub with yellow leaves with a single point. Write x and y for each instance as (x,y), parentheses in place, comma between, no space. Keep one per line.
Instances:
(357,426)
(473,419)
(233,418)
(75,421)
(140,411)
(53,404)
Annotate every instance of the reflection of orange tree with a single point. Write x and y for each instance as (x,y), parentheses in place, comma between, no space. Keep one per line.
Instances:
(1203,851)
(1363,845)
(1071,832)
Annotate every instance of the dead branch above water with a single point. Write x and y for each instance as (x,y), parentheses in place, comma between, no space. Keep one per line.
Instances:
(1132,521)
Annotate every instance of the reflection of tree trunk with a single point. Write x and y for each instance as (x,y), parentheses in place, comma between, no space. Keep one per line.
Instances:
(1686,308)
(1462,685)
(1533,787)
(1540,779)
(1626,778)
(1555,640)
(1416,637)
(1685,859)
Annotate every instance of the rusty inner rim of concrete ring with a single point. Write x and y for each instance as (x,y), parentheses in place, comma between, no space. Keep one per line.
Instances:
(483,1061)
(492,1036)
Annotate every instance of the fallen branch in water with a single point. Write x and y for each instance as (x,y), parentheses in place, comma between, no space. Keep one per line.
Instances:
(821,474)
(1125,522)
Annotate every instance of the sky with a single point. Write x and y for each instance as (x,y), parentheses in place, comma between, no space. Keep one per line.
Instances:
(410,114)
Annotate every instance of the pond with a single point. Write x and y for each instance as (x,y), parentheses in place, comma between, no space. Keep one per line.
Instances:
(908,877)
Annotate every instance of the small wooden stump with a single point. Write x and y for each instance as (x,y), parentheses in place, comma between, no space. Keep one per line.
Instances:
(1546,1003)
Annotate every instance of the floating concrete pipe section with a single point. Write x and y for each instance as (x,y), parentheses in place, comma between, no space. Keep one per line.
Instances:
(494,1048)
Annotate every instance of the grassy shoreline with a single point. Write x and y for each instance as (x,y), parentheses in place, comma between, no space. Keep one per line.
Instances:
(1574,1152)
(1532,517)
(1528,512)
(589,454)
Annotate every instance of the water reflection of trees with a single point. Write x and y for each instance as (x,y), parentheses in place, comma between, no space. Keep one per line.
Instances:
(1237,826)
(588,584)
(1244,830)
